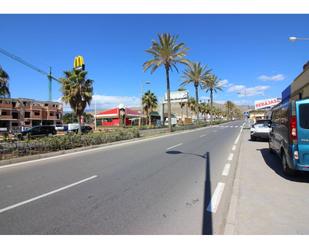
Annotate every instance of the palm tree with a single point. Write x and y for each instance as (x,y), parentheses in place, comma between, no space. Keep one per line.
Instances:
(195,73)
(212,85)
(229,105)
(203,108)
(150,102)
(191,104)
(77,91)
(4,80)
(166,52)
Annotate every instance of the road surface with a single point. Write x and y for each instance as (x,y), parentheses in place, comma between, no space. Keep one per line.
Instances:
(175,184)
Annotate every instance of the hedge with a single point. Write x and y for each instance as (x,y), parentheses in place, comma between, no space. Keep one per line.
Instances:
(66,142)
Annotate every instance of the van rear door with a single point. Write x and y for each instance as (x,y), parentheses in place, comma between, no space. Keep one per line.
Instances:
(302,112)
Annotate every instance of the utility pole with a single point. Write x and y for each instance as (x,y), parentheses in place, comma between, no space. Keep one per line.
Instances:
(49,76)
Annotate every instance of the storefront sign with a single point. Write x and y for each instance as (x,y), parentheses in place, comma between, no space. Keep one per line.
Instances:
(266,103)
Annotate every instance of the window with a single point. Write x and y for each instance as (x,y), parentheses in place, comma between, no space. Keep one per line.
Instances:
(304,116)
(27,114)
(15,115)
(36,113)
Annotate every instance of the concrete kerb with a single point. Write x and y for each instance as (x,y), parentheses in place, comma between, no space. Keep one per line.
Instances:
(230,223)
(92,147)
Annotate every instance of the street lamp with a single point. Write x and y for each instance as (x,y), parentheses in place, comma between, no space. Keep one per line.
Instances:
(142,92)
(294,39)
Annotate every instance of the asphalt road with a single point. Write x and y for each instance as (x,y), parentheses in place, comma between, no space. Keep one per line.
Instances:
(176,184)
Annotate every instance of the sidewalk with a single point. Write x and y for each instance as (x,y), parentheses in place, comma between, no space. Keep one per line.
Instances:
(265,201)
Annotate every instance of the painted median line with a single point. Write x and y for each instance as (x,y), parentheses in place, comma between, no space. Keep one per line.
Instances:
(46,194)
(172,147)
(234,147)
(203,135)
(216,197)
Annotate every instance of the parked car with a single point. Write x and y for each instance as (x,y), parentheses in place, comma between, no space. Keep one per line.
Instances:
(260,129)
(289,137)
(38,131)
(85,129)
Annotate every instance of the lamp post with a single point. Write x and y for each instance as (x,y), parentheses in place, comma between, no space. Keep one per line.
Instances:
(142,92)
(294,39)
(95,113)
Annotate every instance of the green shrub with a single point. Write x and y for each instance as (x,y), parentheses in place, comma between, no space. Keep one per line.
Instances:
(69,141)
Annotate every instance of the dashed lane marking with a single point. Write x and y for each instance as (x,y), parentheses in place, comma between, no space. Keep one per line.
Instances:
(216,197)
(46,194)
(174,146)
(234,147)
(226,169)
(230,158)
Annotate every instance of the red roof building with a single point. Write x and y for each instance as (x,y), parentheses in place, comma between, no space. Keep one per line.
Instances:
(112,117)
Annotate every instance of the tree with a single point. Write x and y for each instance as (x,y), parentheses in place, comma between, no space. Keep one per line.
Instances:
(72,118)
(77,91)
(195,73)
(204,108)
(212,84)
(4,80)
(191,104)
(150,102)
(229,105)
(166,52)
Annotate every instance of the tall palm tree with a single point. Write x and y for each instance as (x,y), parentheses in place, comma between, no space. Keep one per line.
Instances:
(150,102)
(77,91)
(229,105)
(212,85)
(4,80)
(166,52)
(195,73)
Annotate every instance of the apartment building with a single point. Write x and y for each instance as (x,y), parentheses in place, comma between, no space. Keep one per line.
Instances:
(20,113)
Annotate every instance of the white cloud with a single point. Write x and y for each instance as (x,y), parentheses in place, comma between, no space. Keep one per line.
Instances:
(105,102)
(223,83)
(277,77)
(244,91)
(236,88)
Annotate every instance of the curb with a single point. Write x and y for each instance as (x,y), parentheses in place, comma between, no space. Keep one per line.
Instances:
(230,224)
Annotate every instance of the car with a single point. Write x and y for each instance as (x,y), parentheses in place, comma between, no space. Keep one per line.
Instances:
(289,137)
(260,129)
(85,129)
(38,131)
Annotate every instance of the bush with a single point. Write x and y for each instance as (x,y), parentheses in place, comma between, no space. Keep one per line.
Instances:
(69,141)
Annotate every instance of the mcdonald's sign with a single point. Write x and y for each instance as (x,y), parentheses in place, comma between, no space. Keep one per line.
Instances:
(79,63)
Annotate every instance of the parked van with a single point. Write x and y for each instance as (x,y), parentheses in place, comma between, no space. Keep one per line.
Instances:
(289,136)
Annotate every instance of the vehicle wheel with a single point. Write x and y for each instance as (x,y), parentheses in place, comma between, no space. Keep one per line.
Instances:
(286,170)
(49,134)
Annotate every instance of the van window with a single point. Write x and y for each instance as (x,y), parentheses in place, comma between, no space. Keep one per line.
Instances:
(304,116)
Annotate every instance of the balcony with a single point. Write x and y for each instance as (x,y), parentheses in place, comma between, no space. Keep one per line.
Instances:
(3,105)
(6,117)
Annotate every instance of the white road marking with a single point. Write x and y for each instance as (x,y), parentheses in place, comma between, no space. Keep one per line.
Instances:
(231,126)
(226,169)
(216,197)
(203,135)
(45,195)
(230,158)
(234,147)
(174,146)
(236,126)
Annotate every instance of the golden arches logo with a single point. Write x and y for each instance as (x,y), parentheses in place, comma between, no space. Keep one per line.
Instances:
(79,63)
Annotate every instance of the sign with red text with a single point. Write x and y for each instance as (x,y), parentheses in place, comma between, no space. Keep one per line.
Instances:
(266,103)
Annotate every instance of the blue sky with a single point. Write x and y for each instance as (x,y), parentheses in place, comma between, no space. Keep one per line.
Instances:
(250,53)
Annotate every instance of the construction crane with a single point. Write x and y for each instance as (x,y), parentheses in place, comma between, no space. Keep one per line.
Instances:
(49,75)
